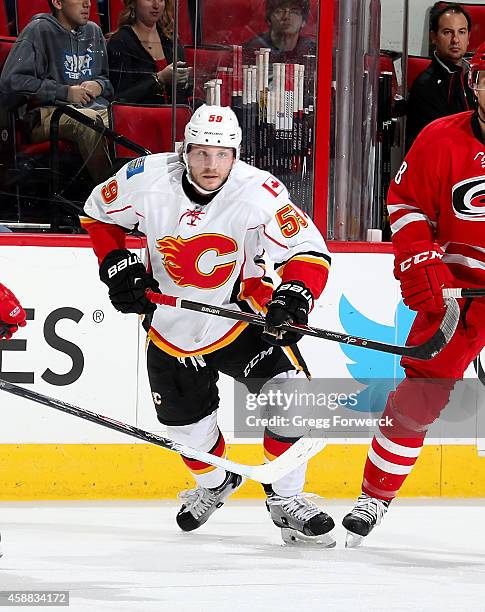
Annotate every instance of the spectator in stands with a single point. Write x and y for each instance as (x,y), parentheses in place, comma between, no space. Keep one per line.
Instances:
(442,89)
(61,58)
(141,54)
(286,19)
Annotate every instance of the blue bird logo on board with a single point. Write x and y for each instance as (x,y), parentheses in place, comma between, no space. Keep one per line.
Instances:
(366,364)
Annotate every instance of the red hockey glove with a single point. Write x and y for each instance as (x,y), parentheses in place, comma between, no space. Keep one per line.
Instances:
(291,302)
(422,275)
(12,315)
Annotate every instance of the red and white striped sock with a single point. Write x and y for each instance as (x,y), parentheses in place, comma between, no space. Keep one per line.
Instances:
(203,435)
(292,483)
(389,461)
(207,475)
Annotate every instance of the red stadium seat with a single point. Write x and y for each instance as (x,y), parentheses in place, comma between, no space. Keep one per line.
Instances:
(477,15)
(386,65)
(416,65)
(235,22)
(207,59)
(148,126)
(24,165)
(205,62)
(26,9)
(4,29)
(6,44)
(114,9)
(185,30)
(6,119)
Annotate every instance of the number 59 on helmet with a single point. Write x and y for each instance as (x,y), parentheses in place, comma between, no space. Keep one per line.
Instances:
(215,126)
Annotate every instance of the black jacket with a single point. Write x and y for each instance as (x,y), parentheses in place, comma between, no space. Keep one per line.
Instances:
(440,90)
(132,69)
(304,46)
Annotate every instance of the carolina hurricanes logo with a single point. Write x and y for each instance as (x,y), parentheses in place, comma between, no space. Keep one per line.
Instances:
(480,156)
(201,261)
(469,199)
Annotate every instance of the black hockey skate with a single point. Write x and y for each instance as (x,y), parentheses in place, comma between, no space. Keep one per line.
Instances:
(301,520)
(200,503)
(364,516)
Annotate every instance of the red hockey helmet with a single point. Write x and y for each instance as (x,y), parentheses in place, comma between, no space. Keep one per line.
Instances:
(477,65)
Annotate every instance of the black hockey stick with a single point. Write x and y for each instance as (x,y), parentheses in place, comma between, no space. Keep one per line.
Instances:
(424,351)
(479,370)
(298,453)
(469,293)
(463,293)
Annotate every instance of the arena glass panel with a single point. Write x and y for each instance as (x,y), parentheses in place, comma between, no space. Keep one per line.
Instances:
(236,62)
(354,204)
(44,187)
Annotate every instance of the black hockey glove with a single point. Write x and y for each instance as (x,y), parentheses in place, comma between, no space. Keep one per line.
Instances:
(127,280)
(290,303)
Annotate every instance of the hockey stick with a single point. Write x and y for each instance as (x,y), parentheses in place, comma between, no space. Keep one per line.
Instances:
(479,370)
(463,293)
(469,293)
(424,351)
(298,453)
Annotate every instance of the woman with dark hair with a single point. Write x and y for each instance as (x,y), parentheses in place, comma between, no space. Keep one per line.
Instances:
(141,51)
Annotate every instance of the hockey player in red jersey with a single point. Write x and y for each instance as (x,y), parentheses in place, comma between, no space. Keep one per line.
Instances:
(12,315)
(209,218)
(437,214)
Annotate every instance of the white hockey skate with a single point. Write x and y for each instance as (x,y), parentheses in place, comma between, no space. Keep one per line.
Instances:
(300,520)
(200,503)
(364,516)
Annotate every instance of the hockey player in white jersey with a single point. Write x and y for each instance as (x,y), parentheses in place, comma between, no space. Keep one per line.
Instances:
(208,219)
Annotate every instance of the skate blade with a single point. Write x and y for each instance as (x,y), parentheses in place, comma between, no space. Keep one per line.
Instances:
(353,540)
(291,537)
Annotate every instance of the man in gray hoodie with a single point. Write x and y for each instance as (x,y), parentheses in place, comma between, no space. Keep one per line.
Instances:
(61,59)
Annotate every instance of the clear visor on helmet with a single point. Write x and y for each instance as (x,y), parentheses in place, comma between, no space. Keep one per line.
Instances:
(477,80)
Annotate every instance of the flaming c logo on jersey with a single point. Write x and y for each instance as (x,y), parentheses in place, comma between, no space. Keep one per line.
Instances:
(469,199)
(182,259)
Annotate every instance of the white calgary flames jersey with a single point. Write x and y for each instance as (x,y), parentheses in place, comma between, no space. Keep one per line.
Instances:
(211,253)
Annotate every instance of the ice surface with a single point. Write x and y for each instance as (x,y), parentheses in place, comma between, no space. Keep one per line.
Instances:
(426,555)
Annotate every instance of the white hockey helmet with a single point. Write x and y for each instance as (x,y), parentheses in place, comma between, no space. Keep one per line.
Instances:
(216,126)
